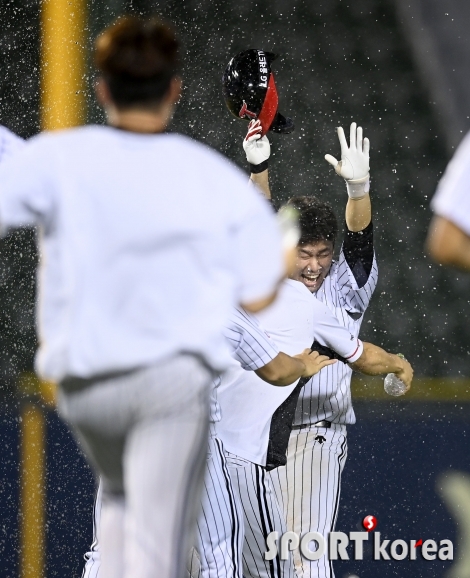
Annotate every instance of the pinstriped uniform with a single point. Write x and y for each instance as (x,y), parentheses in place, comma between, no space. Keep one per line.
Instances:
(309,485)
(93,557)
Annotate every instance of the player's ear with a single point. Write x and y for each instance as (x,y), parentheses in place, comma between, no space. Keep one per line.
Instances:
(175,89)
(103,94)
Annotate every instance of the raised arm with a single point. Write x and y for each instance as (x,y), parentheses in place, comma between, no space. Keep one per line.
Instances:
(354,168)
(258,150)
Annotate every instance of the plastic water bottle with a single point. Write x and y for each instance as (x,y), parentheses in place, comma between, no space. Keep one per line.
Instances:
(393,385)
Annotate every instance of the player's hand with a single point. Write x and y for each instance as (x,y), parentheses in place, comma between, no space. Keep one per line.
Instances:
(406,373)
(313,362)
(257,148)
(354,163)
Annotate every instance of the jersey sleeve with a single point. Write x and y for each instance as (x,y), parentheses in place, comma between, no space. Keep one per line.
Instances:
(357,269)
(25,188)
(452,198)
(330,333)
(249,344)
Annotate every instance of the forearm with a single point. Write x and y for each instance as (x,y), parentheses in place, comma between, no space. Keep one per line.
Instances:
(282,370)
(262,181)
(448,245)
(358,213)
(376,361)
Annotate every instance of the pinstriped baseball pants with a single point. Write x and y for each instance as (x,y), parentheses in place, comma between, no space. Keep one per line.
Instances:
(308,488)
(145,432)
(93,557)
(220,525)
(262,515)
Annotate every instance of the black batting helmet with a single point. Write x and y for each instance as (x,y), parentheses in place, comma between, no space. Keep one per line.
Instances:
(250,91)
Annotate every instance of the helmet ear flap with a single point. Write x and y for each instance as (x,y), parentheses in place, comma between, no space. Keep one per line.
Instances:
(282,125)
(270,57)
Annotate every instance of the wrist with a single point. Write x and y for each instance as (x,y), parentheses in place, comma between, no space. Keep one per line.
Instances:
(399,365)
(358,188)
(255,169)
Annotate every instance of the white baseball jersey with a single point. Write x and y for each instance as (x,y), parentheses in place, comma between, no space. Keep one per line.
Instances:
(346,291)
(10,143)
(452,198)
(141,258)
(293,321)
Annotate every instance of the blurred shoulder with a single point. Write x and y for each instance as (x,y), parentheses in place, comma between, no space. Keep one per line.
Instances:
(10,143)
(201,151)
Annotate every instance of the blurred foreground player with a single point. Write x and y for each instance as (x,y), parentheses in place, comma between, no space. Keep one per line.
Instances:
(449,232)
(143,254)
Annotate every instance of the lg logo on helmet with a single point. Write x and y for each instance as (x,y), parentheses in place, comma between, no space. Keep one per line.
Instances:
(245,113)
(263,69)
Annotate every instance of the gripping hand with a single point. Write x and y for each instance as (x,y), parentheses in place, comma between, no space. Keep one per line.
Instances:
(257,148)
(354,163)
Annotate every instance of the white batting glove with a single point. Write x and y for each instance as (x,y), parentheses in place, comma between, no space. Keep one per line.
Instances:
(257,148)
(354,163)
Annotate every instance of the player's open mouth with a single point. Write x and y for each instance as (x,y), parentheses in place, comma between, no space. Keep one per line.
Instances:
(310,279)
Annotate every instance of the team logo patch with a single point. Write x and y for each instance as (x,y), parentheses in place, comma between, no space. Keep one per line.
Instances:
(245,113)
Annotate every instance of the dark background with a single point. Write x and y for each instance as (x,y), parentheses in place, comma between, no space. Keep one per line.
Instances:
(339,61)
(398,68)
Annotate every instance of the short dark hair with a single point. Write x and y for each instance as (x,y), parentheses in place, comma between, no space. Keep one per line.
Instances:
(316,219)
(137,58)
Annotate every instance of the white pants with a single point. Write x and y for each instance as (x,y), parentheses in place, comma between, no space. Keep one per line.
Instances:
(308,487)
(262,515)
(219,526)
(145,432)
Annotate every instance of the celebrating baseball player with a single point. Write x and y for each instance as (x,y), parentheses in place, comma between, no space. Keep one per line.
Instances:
(124,232)
(308,486)
(251,422)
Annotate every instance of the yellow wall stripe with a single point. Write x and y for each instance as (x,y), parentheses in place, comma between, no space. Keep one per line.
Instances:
(449,389)
(63,66)
(32,492)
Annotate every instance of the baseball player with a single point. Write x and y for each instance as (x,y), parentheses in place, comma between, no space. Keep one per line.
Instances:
(124,232)
(220,524)
(308,486)
(449,232)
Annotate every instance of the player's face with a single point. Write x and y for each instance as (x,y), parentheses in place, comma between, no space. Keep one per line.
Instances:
(313,264)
